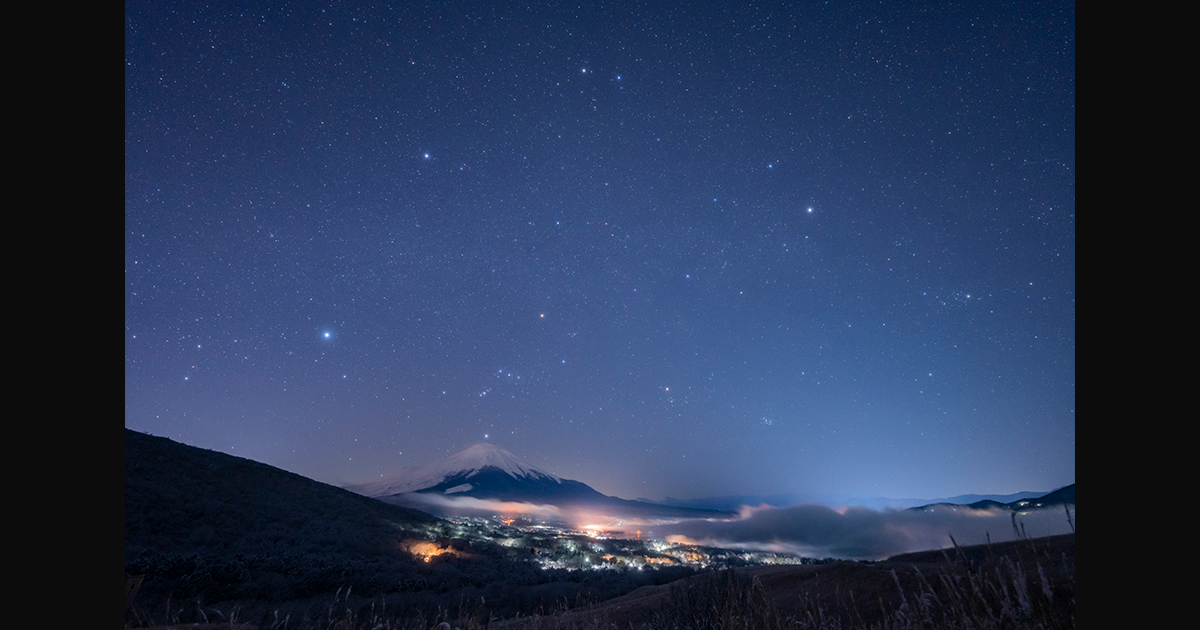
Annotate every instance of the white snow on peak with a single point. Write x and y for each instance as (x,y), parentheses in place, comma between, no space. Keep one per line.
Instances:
(470,461)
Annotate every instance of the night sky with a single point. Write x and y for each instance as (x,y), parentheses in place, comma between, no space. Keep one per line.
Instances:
(667,249)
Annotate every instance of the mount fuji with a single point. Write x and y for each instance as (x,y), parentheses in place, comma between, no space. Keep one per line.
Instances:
(488,472)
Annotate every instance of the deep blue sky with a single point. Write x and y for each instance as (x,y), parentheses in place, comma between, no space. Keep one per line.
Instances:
(668,249)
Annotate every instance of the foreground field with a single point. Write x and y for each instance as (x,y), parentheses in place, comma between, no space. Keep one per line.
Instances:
(211,538)
(1024,584)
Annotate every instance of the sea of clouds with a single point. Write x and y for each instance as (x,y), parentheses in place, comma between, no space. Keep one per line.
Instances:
(815,531)
(862,533)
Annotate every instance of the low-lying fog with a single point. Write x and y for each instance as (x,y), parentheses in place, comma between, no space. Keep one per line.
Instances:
(810,530)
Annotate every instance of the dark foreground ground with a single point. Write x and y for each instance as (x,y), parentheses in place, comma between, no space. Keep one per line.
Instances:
(215,538)
(1023,584)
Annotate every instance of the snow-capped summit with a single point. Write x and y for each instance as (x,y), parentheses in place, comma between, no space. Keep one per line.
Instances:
(486,471)
(483,455)
(460,468)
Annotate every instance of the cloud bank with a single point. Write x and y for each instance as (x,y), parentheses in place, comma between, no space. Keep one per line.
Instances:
(578,517)
(814,531)
(444,505)
(862,533)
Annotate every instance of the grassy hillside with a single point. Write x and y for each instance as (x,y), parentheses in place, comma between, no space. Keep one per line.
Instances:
(215,537)
(182,499)
(1023,584)
(209,533)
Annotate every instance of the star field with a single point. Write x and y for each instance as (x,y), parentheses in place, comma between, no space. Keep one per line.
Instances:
(822,248)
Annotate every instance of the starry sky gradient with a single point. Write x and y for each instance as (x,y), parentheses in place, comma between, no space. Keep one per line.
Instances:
(667,249)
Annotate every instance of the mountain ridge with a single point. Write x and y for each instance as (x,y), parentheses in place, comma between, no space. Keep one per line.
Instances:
(489,472)
(465,464)
(182,498)
(1062,496)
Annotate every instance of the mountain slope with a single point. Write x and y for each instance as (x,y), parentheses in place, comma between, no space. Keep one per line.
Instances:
(485,459)
(1063,496)
(183,499)
(486,471)
(208,532)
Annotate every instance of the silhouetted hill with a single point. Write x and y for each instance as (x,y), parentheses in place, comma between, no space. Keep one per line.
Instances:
(226,533)
(183,499)
(213,527)
(1062,496)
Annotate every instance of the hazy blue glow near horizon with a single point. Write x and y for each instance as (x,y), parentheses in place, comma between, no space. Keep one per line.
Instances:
(665,250)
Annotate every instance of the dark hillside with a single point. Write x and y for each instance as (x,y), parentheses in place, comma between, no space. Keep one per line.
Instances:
(1021,584)
(1063,496)
(208,526)
(182,499)
(210,532)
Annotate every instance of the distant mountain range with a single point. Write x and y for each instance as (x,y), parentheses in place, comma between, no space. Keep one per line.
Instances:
(734,502)
(1063,496)
(488,472)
